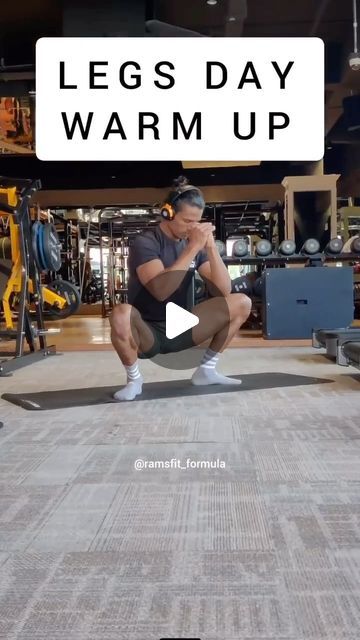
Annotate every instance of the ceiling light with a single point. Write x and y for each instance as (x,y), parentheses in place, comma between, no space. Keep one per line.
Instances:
(211,2)
(232,19)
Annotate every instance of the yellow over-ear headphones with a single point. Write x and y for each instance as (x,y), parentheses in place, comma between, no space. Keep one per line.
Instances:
(167,210)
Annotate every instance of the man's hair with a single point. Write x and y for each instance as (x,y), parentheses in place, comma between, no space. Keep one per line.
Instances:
(193,197)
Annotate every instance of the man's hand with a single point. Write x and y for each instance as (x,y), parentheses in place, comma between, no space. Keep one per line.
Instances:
(210,242)
(199,235)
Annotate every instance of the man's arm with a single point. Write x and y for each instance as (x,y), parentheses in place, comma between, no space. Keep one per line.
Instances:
(161,282)
(214,271)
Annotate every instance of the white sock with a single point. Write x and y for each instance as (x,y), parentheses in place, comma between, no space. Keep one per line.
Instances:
(206,373)
(209,359)
(133,371)
(134,384)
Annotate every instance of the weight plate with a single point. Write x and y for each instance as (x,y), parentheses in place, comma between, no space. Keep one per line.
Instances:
(72,296)
(5,248)
(51,247)
(40,246)
(34,241)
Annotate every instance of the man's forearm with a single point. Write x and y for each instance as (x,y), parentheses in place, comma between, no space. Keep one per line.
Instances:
(220,277)
(163,287)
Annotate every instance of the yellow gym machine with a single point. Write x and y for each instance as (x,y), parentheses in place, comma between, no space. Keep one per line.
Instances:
(22,283)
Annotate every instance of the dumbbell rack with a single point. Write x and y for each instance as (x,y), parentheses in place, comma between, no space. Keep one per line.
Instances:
(24,278)
(278,260)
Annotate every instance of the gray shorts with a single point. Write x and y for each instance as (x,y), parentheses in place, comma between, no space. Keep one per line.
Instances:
(162,344)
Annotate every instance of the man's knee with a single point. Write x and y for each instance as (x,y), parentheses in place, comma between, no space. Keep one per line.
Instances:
(120,319)
(240,306)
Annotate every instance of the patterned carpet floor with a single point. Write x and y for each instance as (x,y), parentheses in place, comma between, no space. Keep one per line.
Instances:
(264,546)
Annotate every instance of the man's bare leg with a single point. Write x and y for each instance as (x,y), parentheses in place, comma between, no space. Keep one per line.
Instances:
(130,334)
(221,325)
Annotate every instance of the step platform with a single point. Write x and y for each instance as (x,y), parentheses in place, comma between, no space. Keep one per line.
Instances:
(333,340)
(351,351)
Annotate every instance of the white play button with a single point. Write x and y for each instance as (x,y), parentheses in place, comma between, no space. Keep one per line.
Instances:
(178,320)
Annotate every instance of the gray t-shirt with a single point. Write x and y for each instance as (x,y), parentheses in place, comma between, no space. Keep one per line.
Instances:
(153,244)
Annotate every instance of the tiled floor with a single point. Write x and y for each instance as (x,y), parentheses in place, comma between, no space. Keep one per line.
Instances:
(266,548)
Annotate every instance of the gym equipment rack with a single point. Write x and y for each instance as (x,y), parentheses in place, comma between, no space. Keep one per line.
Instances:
(23,278)
(117,230)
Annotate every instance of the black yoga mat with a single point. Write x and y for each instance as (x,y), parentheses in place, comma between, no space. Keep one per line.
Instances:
(66,398)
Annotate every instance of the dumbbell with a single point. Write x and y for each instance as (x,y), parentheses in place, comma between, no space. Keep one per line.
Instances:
(287,248)
(240,249)
(220,247)
(310,247)
(334,246)
(263,248)
(258,287)
(199,286)
(242,284)
(355,245)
